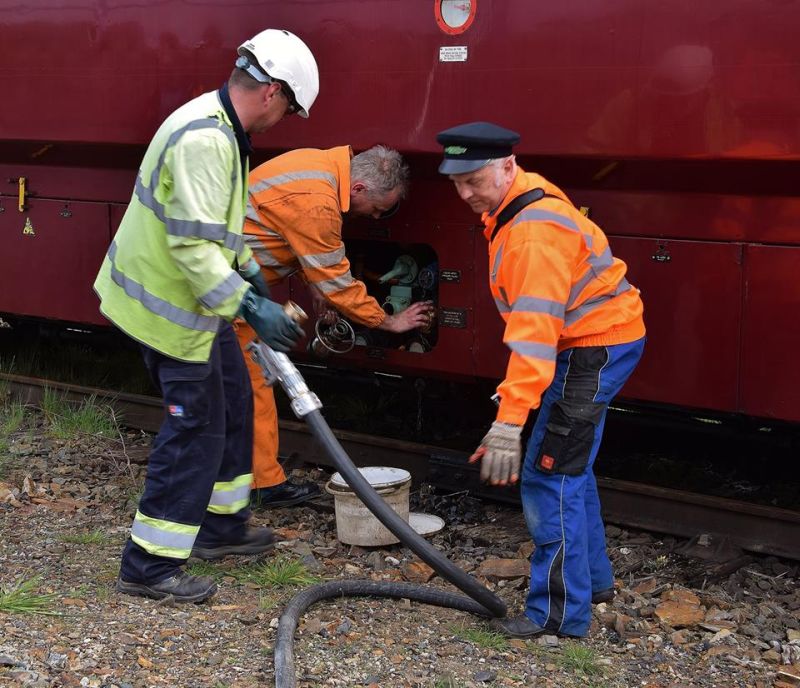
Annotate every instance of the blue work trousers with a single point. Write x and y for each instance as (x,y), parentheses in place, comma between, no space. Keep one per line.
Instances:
(559,491)
(206,438)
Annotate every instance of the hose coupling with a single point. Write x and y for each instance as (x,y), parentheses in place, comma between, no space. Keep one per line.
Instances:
(277,366)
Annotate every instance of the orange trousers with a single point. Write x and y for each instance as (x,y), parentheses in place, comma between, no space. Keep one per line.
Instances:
(266,469)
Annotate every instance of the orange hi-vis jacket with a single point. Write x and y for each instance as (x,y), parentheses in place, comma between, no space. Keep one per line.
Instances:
(557,286)
(294,225)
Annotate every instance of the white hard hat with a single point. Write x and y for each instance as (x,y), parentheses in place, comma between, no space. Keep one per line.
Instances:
(278,55)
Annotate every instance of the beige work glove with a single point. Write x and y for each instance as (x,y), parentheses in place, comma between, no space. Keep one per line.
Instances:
(500,453)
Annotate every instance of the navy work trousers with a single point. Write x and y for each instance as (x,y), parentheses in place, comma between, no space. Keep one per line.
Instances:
(206,437)
(559,491)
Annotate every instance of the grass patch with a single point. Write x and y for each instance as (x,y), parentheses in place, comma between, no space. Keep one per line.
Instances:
(272,600)
(4,455)
(481,637)
(69,420)
(580,659)
(91,537)
(103,592)
(80,592)
(204,568)
(7,462)
(11,418)
(446,682)
(280,572)
(22,598)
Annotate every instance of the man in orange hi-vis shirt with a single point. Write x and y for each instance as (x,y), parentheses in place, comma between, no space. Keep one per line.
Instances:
(294,225)
(575,330)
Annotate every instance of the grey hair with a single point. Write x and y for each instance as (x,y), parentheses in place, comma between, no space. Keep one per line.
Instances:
(498,163)
(381,170)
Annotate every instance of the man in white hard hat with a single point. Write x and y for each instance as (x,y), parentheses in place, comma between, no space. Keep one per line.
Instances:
(177,273)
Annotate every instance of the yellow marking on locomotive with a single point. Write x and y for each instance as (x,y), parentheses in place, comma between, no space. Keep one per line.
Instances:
(28,228)
(21,198)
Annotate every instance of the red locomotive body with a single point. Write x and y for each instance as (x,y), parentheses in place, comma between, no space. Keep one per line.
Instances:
(675,123)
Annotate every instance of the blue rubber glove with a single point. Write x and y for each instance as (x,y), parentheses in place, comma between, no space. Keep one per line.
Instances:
(275,328)
(251,272)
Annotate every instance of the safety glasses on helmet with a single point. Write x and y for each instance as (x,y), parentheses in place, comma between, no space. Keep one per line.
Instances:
(246,64)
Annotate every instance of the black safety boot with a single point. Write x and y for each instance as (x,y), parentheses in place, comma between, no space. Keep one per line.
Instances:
(182,587)
(255,541)
(283,494)
(518,627)
(603,596)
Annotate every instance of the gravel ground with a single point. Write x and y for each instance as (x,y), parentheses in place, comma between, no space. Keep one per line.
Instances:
(66,506)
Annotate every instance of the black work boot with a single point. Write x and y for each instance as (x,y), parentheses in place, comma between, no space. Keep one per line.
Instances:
(603,596)
(518,627)
(283,494)
(182,587)
(255,541)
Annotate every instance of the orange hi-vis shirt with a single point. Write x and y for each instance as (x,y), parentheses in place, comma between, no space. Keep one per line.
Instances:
(294,225)
(557,286)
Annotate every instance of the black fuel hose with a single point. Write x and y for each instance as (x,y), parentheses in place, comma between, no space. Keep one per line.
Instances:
(485,603)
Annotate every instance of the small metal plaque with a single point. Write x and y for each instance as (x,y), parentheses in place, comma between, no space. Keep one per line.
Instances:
(375,352)
(453,317)
(450,275)
(453,53)
(662,254)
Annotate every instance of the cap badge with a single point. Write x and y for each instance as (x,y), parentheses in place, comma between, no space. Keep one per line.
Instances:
(455,150)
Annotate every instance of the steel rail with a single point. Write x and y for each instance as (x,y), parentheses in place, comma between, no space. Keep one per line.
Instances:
(756,528)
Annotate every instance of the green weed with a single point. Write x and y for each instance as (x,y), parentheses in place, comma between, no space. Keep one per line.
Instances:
(69,420)
(21,598)
(12,415)
(446,682)
(490,640)
(204,568)
(280,572)
(271,600)
(92,537)
(580,659)
(80,592)
(11,418)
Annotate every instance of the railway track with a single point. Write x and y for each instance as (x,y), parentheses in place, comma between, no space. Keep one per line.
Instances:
(755,528)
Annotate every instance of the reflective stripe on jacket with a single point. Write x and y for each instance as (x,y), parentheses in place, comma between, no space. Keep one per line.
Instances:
(557,286)
(168,278)
(294,225)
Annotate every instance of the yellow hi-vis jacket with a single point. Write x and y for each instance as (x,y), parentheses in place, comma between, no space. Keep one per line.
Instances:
(168,279)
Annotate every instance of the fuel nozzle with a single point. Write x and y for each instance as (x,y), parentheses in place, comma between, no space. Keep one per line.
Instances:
(404,271)
(401,276)
(277,367)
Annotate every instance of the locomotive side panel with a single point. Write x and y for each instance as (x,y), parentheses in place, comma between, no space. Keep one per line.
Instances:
(678,124)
